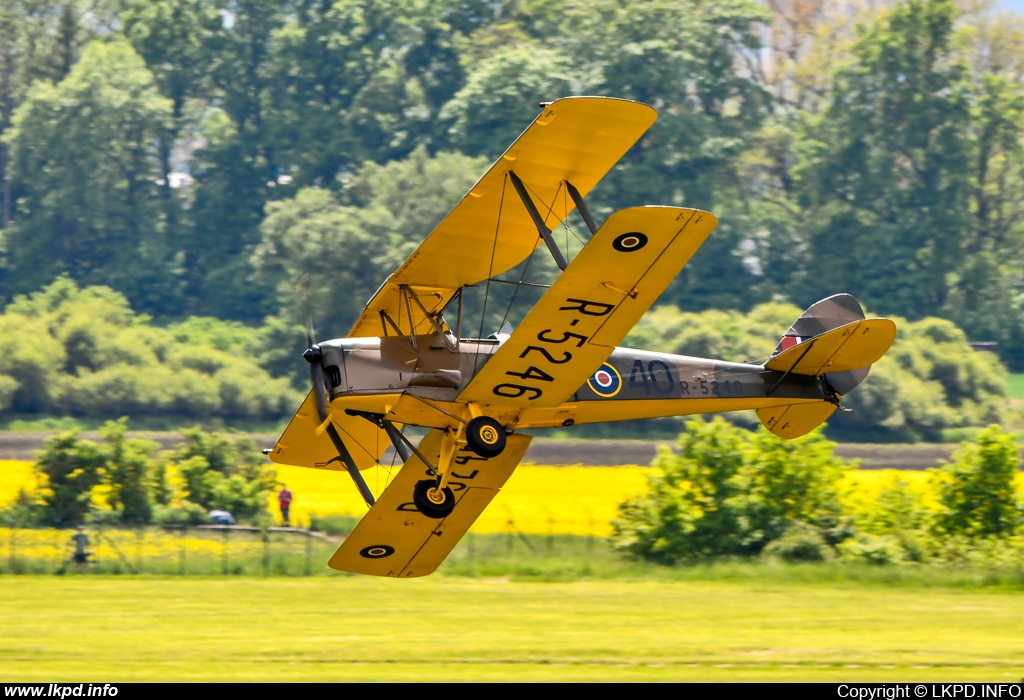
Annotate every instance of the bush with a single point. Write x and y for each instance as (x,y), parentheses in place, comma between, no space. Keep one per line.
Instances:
(68,469)
(181,513)
(104,361)
(976,491)
(728,491)
(333,524)
(930,381)
(800,542)
(224,473)
(872,549)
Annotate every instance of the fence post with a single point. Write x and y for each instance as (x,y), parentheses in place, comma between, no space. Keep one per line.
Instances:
(181,551)
(12,555)
(266,552)
(309,553)
(224,554)
(551,531)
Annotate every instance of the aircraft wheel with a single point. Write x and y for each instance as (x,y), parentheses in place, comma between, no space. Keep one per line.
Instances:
(431,502)
(485,436)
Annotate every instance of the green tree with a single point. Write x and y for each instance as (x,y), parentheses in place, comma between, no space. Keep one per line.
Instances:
(225,473)
(976,490)
(885,170)
(500,97)
(83,153)
(68,469)
(42,40)
(103,360)
(728,491)
(349,249)
(130,473)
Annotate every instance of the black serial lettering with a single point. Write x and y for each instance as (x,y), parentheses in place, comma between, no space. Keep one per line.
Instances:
(580,339)
(547,355)
(589,308)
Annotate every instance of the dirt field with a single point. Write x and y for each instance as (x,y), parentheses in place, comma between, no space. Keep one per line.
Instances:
(23,445)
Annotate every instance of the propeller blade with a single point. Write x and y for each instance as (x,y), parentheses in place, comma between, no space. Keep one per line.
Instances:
(310,335)
(316,375)
(314,356)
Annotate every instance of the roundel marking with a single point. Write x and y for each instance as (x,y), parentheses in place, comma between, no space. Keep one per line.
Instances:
(376,551)
(628,242)
(606,381)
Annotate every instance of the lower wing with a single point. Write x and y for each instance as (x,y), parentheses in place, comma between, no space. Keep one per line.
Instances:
(304,444)
(395,539)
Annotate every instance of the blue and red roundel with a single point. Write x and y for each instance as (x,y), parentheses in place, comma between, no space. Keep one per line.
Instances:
(606,381)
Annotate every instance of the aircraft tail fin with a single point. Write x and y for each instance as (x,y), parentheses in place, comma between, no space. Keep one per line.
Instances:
(832,338)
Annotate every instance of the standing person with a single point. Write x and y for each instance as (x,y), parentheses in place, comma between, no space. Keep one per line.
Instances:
(284,499)
(81,541)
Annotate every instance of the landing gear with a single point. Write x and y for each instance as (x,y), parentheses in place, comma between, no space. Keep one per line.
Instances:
(485,436)
(432,501)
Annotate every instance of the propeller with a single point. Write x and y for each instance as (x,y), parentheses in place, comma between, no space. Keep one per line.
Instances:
(314,356)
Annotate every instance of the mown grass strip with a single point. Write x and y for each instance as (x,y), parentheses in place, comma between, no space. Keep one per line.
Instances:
(355,628)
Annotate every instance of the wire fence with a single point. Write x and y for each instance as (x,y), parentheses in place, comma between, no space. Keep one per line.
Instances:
(249,551)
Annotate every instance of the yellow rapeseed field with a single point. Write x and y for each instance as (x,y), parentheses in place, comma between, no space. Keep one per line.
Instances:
(536,500)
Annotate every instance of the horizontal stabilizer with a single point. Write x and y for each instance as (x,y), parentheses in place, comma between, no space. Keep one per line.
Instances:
(851,346)
(798,419)
(395,539)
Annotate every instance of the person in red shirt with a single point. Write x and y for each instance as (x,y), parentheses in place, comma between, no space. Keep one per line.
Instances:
(284,499)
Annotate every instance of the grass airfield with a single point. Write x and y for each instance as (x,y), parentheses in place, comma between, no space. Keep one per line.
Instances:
(118,628)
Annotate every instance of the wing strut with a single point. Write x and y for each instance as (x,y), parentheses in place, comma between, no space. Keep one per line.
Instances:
(581,207)
(403,447)
(538,221)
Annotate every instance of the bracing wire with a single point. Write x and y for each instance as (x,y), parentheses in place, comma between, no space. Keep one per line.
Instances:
(519,285)
(490,267)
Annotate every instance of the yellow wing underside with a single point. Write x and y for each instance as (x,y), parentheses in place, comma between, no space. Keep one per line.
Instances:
(490,231)
(394,539)
(304,444)
(591,307)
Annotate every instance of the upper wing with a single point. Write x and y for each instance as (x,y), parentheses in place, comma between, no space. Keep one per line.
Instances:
(394,539)
(619,273)
(577,139)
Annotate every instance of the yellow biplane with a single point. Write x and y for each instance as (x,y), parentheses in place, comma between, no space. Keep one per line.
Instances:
(404,363)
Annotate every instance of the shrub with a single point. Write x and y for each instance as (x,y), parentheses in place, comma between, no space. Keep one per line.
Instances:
(800,542)
(872,549)
(976,490)
(181,513)
(224,473)
(68,469)
(728,491)
(129,473)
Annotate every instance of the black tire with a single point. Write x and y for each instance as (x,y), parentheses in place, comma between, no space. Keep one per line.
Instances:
(485,436)
(428,507)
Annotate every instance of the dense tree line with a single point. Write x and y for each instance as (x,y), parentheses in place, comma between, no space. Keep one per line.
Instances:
(200,156)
